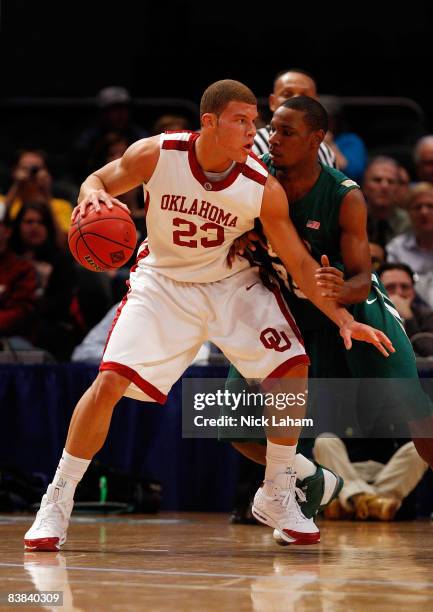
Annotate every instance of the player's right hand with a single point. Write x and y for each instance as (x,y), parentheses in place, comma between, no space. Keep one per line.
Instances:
(330,279)
(242,244)
(96,199)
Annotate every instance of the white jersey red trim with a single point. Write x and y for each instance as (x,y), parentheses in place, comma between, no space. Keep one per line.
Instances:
(191,221)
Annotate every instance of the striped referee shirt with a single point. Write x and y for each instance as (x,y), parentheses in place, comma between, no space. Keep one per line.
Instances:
(261,146)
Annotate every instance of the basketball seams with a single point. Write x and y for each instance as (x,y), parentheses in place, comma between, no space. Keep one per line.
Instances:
(122,244)
(91,250)
(105,219)
(77,242)
(79,236)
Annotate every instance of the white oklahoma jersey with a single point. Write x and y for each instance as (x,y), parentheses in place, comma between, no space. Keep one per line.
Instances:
(182,291)
(191,221)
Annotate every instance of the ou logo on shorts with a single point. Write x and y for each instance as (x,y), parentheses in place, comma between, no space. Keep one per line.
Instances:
(271,339)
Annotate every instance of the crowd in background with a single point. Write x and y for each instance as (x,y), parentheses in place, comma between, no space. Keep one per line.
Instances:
(49,302)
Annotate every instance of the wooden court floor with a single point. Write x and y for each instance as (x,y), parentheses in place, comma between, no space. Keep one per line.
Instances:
(187,562)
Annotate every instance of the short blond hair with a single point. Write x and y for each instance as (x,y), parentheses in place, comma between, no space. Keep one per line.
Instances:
(416,190)
(218,95)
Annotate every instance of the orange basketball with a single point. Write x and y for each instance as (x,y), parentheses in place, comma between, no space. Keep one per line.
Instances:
(103,240)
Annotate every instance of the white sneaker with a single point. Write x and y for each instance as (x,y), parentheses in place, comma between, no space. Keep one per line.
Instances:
(319,490)
(275,504)
(49,528)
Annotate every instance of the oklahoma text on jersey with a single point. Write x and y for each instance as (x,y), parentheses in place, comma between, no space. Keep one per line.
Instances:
(203,209)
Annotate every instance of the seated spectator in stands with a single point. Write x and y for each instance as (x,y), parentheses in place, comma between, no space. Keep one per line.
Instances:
(372,489)
(34,239)
(424,287)
(380,185)
(349,148)
(423,159)
(403,186)
(415,247)
(377,254)
(115,116)
(17,290)
(398,280)
(32,182)
(169,123)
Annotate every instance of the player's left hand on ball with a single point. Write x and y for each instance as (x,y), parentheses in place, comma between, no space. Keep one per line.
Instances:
(242,244)
(366,333)
(329,279)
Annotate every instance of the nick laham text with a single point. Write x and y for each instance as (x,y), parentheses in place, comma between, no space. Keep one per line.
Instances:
(251,421)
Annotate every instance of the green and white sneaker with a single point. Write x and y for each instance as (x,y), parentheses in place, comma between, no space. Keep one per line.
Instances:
(319,489)
(276,505)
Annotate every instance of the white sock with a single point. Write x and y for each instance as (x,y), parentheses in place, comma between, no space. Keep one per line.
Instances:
(304,467)
(68,474)
(278,459)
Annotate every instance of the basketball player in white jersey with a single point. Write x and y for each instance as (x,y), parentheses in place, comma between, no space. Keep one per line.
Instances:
(203,191)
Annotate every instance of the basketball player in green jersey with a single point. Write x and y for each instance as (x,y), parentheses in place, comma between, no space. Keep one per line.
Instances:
(329,212)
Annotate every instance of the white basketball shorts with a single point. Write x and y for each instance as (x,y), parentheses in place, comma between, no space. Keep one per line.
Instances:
(162,323)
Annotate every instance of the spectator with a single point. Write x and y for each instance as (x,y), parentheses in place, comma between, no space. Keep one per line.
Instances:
(34,239)
(349,148)
(167,123)
(380,185)
(289,84)
(17,290)
(32,182)
(415,247)
(398,280)
(424,287)
(403,186)
(423,158)
(372,489)
(115,116)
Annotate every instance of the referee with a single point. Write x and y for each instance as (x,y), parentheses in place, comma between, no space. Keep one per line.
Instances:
(288,84)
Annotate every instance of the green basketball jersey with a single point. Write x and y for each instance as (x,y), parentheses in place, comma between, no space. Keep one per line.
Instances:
(316,219)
